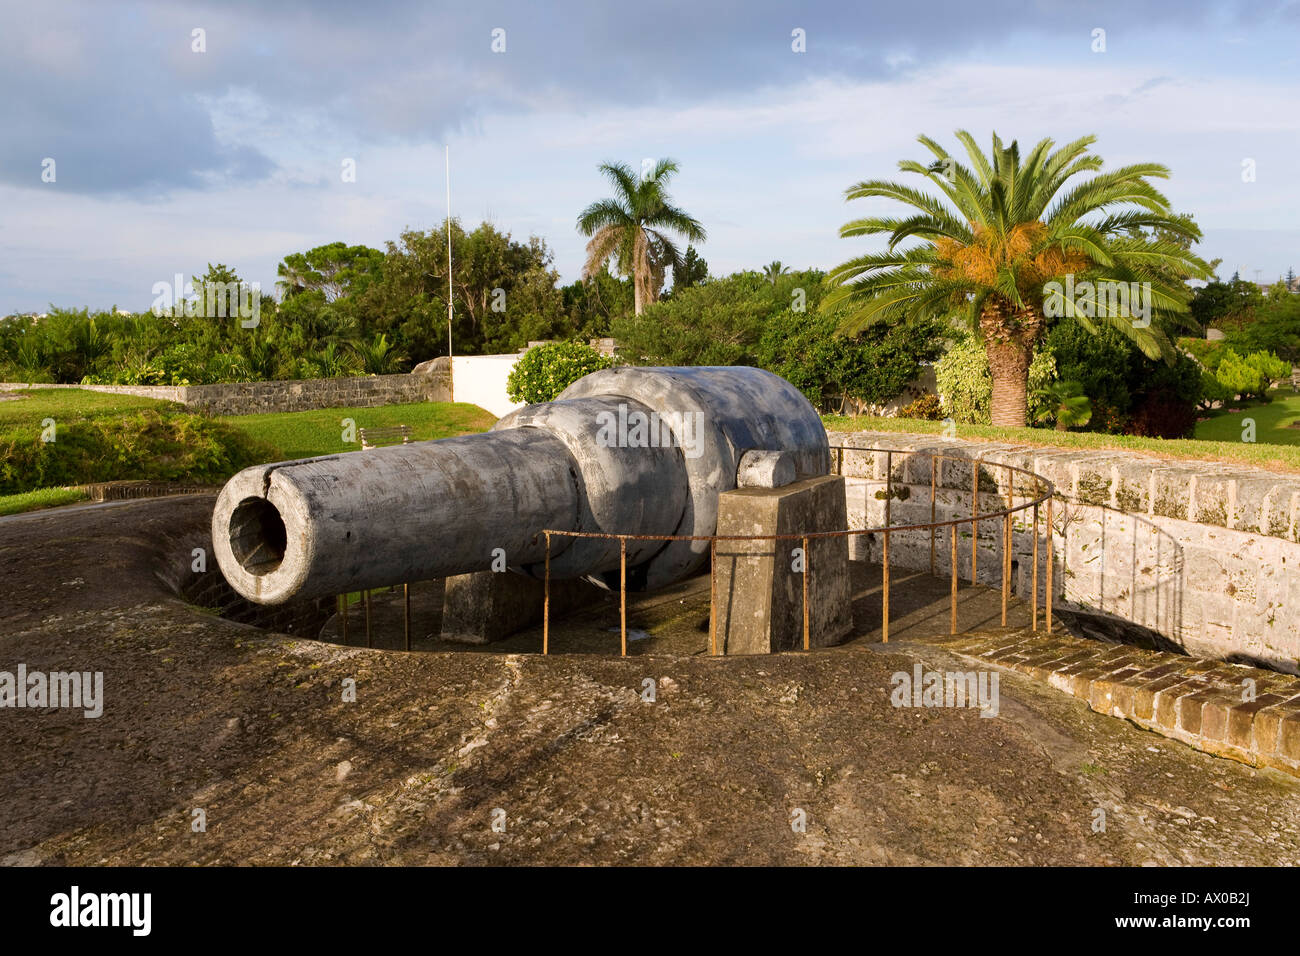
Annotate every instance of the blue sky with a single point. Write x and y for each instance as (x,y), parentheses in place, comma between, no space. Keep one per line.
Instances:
(167,159)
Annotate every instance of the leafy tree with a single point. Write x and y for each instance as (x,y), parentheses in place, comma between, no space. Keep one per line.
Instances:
(743,319)
(1213,392)
(1274,327)
(1224,303)
(1250,376)
(594,302)
(634,226)
(409,300)
(717,323)
(999,249)
(335,270)
(843,373)
(694,270)
(1108,368)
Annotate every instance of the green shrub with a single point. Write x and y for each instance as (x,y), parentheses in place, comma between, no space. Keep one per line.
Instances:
(145,445)
(1269,366)
(1208,353)
(1108,368)
(1213,391)
(1250,376)
(926,408)
(547,370)
(835,371)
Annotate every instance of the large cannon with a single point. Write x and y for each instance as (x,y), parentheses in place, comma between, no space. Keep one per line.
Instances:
(641,451)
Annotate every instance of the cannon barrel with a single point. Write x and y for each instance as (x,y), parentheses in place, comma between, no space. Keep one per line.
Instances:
(642,451)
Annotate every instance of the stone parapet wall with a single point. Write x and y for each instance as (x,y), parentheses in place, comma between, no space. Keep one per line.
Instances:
(1204,554)
(248,398)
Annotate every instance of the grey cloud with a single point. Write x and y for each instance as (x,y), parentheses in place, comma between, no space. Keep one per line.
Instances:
(114,94)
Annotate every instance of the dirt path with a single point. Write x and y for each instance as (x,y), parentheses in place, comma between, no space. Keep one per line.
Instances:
(253,729)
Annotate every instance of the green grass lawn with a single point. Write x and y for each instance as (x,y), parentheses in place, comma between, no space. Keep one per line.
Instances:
(40,498)
(320,432)
(66,404)
(1271,421)
(283,435)
(1234,451)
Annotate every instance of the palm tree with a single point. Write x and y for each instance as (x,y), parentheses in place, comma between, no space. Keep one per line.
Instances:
(774,270)
(377,357)
(1008,241)
(632,227)
(1066,403)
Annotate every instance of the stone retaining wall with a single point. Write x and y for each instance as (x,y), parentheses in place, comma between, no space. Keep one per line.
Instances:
(1204,554)
(247,398)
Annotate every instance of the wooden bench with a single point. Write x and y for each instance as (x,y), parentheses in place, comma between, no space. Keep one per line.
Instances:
(386,435)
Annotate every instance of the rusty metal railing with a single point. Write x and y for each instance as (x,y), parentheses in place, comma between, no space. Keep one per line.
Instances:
(341,603)
(1042,493)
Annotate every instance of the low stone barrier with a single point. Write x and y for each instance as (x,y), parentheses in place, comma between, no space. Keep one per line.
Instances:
(129,490)
(1203,554)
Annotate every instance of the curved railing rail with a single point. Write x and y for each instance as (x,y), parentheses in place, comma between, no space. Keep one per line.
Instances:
(1041,493)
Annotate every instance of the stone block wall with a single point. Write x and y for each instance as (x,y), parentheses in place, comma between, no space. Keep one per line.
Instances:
(1204,554)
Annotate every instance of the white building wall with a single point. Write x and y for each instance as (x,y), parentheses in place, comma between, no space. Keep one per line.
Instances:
(481,380)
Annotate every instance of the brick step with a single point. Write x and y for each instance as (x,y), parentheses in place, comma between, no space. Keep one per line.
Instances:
(1229,710)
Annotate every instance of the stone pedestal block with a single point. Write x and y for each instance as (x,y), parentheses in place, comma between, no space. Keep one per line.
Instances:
(486,606)
(760,583)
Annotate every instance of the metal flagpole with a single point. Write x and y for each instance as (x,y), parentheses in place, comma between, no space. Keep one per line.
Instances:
(449,293)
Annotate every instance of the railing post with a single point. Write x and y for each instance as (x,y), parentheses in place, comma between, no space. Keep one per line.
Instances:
(546,600)
(1049,565)
(1033,603)
(806,565)
(952,541)
(1006,544)
(713,597)
(622,593)
(884,590)
(933,462)
(369,641)
(884,574)
(974,521)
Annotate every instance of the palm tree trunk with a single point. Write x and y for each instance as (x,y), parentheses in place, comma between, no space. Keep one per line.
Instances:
(1009,368)
(1008,342)
(636,294)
